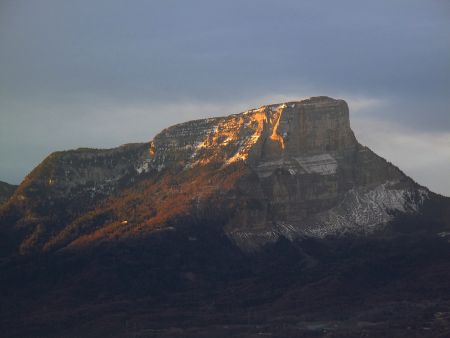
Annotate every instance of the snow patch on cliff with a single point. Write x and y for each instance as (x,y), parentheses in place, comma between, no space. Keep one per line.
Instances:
(143,167)
(323,164)
(365,211)
(361,212)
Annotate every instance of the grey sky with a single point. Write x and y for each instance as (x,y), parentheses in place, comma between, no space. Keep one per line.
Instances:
(103,73)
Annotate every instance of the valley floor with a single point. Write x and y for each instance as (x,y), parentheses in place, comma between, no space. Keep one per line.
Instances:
(373,287)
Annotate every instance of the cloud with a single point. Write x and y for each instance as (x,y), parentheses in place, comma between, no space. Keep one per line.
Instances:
(361,105)
(425,156)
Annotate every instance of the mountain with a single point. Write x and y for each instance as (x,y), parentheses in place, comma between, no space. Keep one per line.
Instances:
(274,221)
(288,170)
(6,190)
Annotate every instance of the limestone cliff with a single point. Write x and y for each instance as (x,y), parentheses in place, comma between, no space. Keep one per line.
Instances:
(280,131)
(314,178)
(286,170)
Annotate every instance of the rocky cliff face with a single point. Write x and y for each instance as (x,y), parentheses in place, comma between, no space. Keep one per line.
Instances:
(283,131)
(287,170)
(313,177)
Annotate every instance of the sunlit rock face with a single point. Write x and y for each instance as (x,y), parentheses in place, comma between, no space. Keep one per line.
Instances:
(275,132)
(288,170)
(313,177)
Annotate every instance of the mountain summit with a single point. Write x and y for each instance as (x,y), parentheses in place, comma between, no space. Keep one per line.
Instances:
(274,221)
(273,132)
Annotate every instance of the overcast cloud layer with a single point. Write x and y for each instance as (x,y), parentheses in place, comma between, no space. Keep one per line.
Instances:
(103,73)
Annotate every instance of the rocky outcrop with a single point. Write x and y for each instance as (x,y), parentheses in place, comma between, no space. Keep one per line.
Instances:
(286,170)
(314,178)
